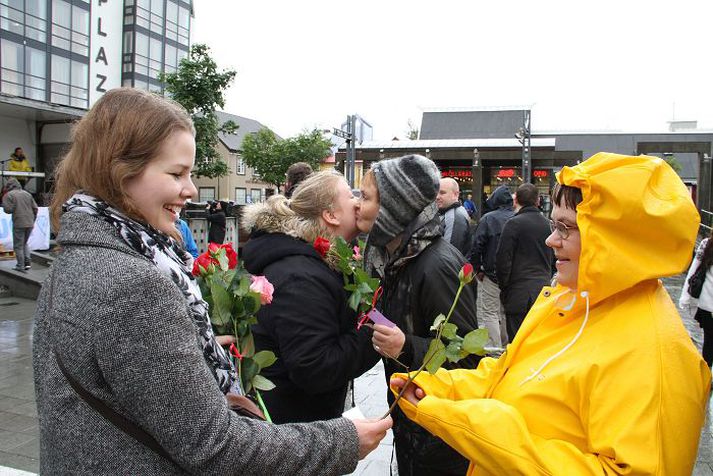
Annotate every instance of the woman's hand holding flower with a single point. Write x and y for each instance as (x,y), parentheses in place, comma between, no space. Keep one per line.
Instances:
(388,341)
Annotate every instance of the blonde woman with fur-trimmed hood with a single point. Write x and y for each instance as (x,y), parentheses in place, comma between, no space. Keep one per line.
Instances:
(308,325)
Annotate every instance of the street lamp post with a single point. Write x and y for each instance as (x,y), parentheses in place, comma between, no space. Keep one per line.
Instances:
(523,136)
(477,187)
(348,135)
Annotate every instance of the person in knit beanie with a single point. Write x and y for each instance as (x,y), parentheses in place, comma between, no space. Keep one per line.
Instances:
(418,270)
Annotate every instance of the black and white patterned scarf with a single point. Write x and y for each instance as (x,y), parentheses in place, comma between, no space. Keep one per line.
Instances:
(175,262)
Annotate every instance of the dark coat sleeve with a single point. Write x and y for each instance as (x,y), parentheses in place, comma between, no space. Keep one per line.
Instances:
(434,295)
(480,244)
(505,254)
(318,354)
(460,238)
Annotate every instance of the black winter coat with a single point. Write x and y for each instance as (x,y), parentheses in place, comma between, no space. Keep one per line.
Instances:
(216,227)
(487,235)
(524,262)
(310,329)
(413,295)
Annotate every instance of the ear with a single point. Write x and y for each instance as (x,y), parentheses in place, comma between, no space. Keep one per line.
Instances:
(329,218)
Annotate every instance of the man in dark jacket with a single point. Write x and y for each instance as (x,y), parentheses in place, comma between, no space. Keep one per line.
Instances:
(456,224)
(485,244)
(20,204)
(524,264)
(418,269)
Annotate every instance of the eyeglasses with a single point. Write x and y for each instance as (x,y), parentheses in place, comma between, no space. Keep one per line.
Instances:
(562,230)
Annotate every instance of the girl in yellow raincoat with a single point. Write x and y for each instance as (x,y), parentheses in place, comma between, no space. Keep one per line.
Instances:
(602,377)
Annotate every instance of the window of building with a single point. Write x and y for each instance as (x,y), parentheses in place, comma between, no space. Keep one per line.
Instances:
(256,195)
(184,24)
(149,55)
(11,16)
(22,70)
(206,193)
(70,27)
(239,165)
(240,195)
(69,82)
(171,21)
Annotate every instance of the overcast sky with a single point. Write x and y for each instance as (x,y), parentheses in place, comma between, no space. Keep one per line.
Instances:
(596,65)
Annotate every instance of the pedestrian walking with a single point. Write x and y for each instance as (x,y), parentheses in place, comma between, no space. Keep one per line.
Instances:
(22,207)
(602,377)
(216,222)
(491,313)
(122,316)
(697,294)
(523,262)
(418,270)
(296,173)
(308,325)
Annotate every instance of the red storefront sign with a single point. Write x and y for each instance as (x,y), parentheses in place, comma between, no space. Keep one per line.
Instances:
(465,173)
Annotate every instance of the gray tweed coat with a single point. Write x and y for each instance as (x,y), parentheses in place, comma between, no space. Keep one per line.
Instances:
(123,331)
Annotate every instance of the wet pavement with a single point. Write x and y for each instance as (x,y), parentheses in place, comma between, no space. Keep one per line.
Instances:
(19,446)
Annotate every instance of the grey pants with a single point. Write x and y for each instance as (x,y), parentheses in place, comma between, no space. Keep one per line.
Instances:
(491,314)
(19,245)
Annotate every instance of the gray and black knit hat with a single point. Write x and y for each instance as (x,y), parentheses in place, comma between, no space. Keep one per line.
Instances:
(406,186)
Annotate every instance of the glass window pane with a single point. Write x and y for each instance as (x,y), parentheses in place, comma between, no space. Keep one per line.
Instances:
(128,42)
(80,20)
(142,44)
(155,49)
(240,196)
(183,17)
(60,69)
(170,56)
(80,72)
(206,193)
(157,7)
(37,8)
(171,12)
(61,13)
(11,56)
(256,195)
(35,62)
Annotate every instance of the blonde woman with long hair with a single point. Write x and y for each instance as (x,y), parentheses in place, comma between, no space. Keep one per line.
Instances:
(308,324)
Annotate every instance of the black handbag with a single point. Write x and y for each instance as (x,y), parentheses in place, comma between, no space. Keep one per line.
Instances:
(695,282)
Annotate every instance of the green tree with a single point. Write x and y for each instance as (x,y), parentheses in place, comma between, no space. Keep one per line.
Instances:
(199,87)
(271,156)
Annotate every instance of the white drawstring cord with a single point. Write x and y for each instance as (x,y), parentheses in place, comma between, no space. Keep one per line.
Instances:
(585,295)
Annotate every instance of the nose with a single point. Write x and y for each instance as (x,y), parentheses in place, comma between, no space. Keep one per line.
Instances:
(190,189)
(554,240)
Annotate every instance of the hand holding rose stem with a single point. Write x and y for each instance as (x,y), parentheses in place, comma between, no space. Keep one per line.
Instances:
(465,277)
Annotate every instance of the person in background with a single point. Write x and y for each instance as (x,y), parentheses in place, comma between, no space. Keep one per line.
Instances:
(123,314)
(308,325)
(418,270)
(22,207)
(296,173)
(456,224)
(216,223)
(702,306)
(19,163)
(602,377)
(187,236)
(469,205)
(523,262)
(485,245)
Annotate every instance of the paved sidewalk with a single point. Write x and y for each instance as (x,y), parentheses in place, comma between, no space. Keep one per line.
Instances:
(18,417)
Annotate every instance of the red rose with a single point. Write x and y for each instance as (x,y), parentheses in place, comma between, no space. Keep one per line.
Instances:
(229,253)
(204,260)
(466,273)
(322,246)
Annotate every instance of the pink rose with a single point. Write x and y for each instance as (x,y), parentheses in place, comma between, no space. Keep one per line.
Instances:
(261,285)
(357,255)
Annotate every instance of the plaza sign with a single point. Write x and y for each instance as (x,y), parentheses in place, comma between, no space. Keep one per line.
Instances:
(106,43)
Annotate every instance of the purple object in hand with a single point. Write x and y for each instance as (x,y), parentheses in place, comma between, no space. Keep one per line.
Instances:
(378,318)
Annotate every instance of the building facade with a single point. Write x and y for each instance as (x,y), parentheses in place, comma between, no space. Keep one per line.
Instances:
(242,185)
(58,57)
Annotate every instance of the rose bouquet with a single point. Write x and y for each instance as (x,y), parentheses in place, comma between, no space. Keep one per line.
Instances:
(234,297)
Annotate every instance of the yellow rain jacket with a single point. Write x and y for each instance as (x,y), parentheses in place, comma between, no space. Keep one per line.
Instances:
(601,381)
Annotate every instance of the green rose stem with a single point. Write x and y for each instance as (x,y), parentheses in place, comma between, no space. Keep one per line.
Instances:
(263,407)
(413,375)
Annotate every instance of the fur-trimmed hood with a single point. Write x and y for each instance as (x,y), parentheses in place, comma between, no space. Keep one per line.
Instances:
(262,220)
